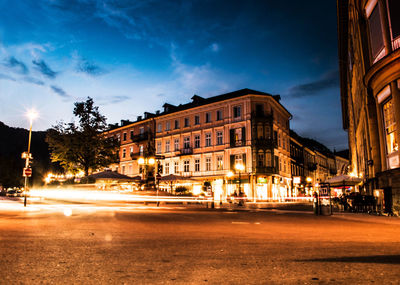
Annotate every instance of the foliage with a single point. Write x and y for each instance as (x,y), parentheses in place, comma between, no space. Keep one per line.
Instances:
(83,146)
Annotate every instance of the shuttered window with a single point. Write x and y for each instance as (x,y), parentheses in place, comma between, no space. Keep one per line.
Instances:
(375,30)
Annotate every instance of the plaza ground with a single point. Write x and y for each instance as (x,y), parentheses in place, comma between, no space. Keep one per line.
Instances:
(126,243)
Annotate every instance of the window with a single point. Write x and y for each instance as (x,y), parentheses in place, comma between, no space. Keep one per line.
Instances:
(132,134)
(238,159)
(167,148)
(260,131)
(284,141)
(394,19)
(158,148)
(141,130)
(268,158)
(131,150)
(279,140)
(123,169)
(237,112)
(220,162)
(197,120)
(197,164)
(167,168)
(124,153)
(159,128)
(197,141)
(186,165)
(186,142)
(208,163)
(267,132)
(167,126)
(208,139)
(375,30)
(176,144)
(390,127)
(176,124)
(259,110)
(118,137)
(237,137)
(186,122)
(208,117)
(280,164)
(284,166)
(219,115)
(176,167)
(141,149)
(219,138)
(124,137)
(260,159)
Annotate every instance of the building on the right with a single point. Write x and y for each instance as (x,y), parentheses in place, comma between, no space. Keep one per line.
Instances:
(369,64)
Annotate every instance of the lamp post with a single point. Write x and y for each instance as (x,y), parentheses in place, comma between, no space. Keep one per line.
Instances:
(147,161)
(32,114)
(240,167)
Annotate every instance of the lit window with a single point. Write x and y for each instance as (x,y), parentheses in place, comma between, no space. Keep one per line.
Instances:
(220,162)
(390,127)
(167,168)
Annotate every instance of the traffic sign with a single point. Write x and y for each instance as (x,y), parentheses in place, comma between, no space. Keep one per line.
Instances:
(27,172)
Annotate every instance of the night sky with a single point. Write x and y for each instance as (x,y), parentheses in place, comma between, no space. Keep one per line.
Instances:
(133,56)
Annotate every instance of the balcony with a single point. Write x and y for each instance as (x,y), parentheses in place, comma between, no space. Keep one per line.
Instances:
(312,166)
(236,143)
(265,170)
(261,117)
(186,151)
(263,143)
(141,137)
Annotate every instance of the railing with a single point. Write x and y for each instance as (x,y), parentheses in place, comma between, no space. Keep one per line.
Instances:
(186,151)
(236,143)
(265,143)
(265,170)
(140,137)
(261,116)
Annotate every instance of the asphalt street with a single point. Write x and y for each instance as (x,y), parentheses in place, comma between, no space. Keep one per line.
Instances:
(124,243)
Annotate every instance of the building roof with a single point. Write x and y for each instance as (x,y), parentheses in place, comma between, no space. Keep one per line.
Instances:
(198,101)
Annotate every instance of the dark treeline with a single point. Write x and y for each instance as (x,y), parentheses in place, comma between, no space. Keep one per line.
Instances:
(14,141)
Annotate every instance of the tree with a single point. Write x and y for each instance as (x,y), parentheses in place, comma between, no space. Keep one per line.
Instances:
(83,146)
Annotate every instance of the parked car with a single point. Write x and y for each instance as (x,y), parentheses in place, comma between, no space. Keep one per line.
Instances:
(11,192)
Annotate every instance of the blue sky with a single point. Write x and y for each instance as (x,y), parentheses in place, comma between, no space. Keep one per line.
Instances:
(133,56)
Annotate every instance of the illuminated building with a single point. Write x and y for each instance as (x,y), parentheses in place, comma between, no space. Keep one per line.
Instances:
(369,61)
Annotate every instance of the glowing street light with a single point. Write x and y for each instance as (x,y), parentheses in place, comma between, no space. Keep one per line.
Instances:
(31,114)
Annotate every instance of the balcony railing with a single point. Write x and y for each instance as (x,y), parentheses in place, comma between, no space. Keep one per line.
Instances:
(140,137)
(265,170)
(261,116)
(186,151)
(263,143)
(236,143)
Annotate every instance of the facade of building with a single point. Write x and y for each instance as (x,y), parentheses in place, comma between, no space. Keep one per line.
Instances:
(369,61)
(205,139)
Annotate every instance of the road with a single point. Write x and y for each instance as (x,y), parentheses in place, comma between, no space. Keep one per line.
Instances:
(126,243)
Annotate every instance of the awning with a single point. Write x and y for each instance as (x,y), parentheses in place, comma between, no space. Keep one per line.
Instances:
(344,180)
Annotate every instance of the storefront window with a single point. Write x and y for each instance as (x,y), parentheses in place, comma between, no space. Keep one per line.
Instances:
(390,127)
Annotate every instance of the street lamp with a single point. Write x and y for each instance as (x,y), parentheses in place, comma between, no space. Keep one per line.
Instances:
(32,114)
(240,167)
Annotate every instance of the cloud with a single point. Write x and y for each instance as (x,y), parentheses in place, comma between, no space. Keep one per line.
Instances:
(33,80)
(6,77)
(113,99)
(43,68)
(59,91)
(16,65)
(90,68)
(329,80)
